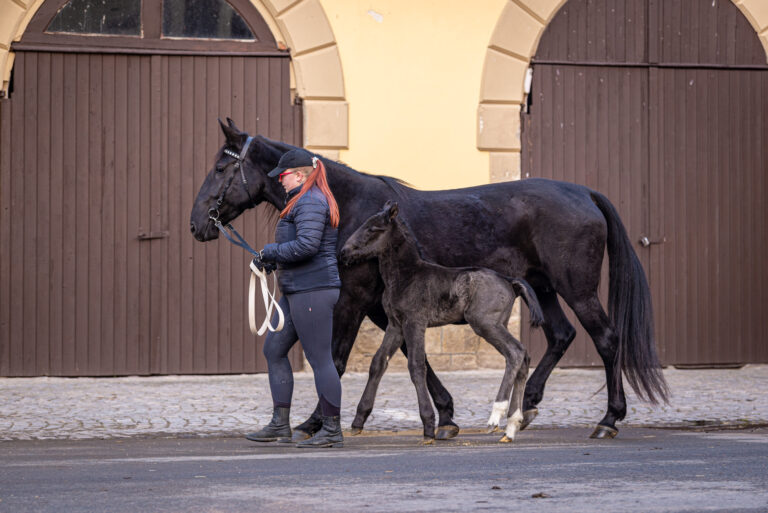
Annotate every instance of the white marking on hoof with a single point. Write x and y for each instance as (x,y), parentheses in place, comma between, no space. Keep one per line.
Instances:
(499,410)
(513,425)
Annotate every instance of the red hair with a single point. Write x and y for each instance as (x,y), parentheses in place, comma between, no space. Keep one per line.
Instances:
(316,177)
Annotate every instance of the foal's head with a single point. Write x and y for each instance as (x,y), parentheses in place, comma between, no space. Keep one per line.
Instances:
(373,237)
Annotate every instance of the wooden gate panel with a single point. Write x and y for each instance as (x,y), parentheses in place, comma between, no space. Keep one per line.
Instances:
(711,211)
(597,31)
(590,126)
(99,149)
(699,160)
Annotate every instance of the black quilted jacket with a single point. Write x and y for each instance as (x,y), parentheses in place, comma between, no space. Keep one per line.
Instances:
(305,247)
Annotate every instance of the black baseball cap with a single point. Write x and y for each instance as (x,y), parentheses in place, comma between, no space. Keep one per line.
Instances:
(291,159)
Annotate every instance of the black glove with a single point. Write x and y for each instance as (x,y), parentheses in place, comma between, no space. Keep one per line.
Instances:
(258,262)
(266,267)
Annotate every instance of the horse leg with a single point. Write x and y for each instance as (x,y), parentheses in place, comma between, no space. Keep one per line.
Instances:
(347,317)
(414,337)
(392,340)
(592,316)
(560,333)
(446,428)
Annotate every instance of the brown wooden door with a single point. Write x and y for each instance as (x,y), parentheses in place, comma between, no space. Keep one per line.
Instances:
(102,155)
(660,106)
(708,197)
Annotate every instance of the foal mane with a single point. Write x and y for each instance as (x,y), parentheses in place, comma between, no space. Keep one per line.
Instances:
(410,238)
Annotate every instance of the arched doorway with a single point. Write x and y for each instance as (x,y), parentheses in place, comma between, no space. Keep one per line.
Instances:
(662,106)
(107,134)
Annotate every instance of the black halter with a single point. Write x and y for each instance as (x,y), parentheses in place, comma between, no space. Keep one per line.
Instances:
(213,212)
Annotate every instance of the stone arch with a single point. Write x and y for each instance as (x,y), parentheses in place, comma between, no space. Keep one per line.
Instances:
(302,25)
(512,45)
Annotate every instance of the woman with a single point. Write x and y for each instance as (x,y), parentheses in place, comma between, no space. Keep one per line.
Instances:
(305,254)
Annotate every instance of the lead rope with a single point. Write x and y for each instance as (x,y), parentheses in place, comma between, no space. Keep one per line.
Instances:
(270,303)
(267,295)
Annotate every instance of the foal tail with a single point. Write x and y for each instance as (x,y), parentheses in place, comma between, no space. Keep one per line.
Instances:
(629,306)
(524,290)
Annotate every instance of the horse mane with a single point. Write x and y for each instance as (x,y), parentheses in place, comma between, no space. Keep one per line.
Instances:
(398,186)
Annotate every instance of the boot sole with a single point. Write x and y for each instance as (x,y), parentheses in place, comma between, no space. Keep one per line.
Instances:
(282,440)
(323,446)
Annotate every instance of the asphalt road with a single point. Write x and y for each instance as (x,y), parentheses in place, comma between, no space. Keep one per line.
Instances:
(553,470)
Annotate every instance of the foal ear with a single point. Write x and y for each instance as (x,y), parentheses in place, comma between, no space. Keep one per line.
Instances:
(392,209)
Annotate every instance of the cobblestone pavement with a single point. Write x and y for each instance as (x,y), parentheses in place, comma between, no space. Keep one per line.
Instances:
(79,408)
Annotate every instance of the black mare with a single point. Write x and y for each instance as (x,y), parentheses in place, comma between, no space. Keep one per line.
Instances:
(419,294)
(553,234)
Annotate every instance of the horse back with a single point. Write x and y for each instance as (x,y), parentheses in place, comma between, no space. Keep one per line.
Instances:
(511,227)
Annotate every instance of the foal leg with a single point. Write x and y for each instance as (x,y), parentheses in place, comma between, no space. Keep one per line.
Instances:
(446,428)
(560,334)
(592,316)
(414,337)
(493,330)
(515,416)
(392,340)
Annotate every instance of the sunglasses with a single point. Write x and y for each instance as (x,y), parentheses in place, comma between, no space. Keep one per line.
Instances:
(284,173)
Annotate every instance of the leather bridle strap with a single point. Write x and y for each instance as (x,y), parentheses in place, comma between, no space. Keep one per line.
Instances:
(239,165)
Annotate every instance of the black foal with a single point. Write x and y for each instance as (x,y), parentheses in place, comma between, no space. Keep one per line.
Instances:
(419,294)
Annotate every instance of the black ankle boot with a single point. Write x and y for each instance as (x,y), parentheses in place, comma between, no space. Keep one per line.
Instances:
(328,436)
(279,429)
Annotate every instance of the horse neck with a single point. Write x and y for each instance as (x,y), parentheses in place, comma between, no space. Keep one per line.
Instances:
(268,156)
(401,258)
(349,187)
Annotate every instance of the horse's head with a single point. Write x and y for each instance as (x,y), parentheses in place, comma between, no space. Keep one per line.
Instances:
(237,181)
(372,237)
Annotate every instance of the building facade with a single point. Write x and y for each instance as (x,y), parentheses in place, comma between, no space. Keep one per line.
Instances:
(123,123)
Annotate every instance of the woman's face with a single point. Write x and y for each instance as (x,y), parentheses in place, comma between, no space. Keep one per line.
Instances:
(290,179)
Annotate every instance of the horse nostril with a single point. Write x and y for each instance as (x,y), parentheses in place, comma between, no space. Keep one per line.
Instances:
(192,227)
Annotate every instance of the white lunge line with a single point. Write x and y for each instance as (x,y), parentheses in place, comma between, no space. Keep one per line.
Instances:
(269,302)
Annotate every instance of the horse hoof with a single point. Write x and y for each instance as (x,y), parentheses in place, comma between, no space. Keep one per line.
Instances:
(299,435)
(528,416)
(427,441)
(604,432)
(355,430)
(447,432)
(493,429)
(505,440)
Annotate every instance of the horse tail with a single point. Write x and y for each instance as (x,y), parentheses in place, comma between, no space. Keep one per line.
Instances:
(525,291)
(629,306)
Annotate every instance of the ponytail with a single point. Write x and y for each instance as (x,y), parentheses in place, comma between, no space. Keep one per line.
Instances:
(316,177)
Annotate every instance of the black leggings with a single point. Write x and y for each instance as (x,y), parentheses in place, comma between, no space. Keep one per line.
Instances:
(309,317)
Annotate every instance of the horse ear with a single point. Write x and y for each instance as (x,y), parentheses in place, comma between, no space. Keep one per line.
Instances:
(230,131)
(232,124)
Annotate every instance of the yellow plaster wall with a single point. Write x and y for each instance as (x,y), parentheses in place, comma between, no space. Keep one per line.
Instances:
(412,81)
